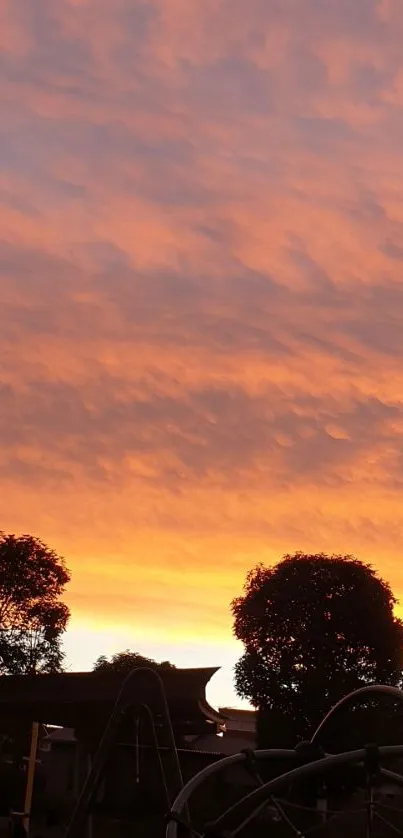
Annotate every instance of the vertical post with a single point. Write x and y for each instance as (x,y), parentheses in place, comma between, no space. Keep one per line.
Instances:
(370,810)
(90,821)
(137,729)
(31,775)
(77,770)
(82,769)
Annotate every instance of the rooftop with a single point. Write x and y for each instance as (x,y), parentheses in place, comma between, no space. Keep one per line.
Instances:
(70,698)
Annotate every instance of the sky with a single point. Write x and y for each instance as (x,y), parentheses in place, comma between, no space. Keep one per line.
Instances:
(201,300)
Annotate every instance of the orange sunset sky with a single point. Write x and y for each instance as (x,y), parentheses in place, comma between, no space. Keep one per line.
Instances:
(201,288)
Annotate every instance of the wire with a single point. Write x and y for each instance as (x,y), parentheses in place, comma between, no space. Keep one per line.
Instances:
(313,809)
(248,819)
(178,819)
(281,804)
(285,817)
(387,823)
(388,807)
(393,776)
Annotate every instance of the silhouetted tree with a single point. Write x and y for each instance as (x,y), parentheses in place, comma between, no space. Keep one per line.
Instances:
(314,628)
(32,616)
(124,662)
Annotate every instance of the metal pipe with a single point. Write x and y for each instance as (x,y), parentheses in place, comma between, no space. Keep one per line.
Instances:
(259,795)
(137,746)
(392,776)
(185,793)
(310,768)
(371,689)
(150,718)
(31,775)
(122,703)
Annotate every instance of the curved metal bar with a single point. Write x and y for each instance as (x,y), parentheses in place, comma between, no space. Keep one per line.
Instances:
(150,718)
(393,776)
(372,689)
(312,767)
(187,790)
(122,703)
(259,795)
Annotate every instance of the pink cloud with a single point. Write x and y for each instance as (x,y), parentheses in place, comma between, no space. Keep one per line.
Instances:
(200,273)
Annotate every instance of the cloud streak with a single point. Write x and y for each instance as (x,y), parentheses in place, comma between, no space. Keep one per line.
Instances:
(201,302)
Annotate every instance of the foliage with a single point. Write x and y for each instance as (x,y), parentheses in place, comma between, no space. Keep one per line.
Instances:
(314,627)
(123,663)
(32,617)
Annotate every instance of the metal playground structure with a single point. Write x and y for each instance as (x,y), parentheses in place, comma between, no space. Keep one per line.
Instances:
(268,799)
(239,817)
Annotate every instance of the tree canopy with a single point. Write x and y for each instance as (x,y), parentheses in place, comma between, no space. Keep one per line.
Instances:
(124,662)
(314,627)
(32,615)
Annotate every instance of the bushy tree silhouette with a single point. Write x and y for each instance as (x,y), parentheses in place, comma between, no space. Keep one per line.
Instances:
(32,616)
(123,663)
(314,627)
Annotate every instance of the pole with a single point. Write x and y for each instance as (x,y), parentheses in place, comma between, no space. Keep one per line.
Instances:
(90,820)
(31,775)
